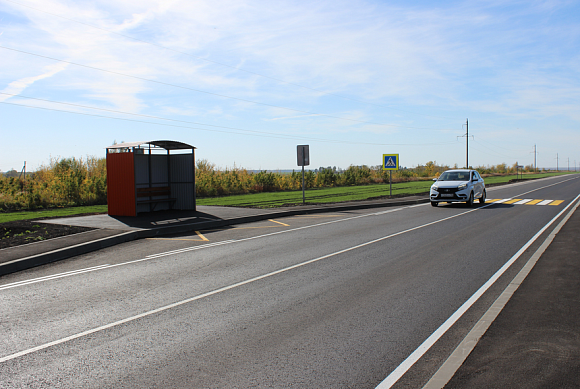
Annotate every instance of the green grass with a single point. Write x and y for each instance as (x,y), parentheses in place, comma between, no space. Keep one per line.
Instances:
(317,196)
(57,212)
(500,179)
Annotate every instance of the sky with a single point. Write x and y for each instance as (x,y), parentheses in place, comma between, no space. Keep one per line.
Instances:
(247,81)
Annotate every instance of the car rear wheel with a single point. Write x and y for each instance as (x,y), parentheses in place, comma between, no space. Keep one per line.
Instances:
(482,199)
(434,203)
(469,202)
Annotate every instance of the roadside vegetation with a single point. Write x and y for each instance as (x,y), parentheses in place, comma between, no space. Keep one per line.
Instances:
(70,186)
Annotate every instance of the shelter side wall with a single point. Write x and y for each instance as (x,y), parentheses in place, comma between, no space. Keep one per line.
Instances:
(120,184)
(182,181)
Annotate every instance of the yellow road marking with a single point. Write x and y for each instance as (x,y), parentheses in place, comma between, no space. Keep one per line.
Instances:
(556,202)
(274,221)
(534,202)
(201,236)
(491,200)
(512,201)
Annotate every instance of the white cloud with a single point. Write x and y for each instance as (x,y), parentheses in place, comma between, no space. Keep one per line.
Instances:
(18,86)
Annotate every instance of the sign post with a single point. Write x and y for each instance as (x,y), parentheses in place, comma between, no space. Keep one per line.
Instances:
(390,163)
(303,153)
(522,171)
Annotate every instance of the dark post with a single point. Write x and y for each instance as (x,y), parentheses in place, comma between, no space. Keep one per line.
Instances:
(303,188)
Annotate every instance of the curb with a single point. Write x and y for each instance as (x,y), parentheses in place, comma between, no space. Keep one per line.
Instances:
(84,248)
(60,254)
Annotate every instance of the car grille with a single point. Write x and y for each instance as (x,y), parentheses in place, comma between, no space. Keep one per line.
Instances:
(447,190)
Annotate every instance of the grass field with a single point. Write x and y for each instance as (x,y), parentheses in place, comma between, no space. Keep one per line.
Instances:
(277,199)
(58,212)
(317,196)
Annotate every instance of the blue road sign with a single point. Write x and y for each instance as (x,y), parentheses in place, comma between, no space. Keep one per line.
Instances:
(390,161)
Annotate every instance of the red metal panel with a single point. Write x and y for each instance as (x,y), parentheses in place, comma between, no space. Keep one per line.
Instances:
(121,184)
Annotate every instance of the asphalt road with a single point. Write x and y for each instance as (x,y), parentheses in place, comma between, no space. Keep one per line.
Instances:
(331,300)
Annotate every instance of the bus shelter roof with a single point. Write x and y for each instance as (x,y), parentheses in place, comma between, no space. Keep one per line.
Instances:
(162,144)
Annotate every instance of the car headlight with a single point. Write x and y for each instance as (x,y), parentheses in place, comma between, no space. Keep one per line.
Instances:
(435,188)
(462,186)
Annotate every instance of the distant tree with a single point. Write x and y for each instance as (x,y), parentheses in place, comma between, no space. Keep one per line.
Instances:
(11,173)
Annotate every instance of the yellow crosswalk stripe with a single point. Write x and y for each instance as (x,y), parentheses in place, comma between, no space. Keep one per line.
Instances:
(556,202)
(491,200)
(534,202)
(512,201)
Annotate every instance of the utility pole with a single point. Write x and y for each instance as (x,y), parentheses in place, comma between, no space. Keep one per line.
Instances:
(568,163)
(557,162)
(535,166)
(23,171)
(466,143)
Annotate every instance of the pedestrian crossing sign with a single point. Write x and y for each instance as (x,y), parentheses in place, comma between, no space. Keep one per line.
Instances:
(390,161)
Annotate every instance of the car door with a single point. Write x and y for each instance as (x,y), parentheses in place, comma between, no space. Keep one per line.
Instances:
(477,185)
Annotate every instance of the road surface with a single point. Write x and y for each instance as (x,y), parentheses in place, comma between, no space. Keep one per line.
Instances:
(337,300)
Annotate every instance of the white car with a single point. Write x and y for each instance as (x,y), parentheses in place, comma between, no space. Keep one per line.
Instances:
(455,186)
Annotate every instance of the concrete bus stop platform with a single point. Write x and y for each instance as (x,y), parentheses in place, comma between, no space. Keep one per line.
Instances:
(112,230)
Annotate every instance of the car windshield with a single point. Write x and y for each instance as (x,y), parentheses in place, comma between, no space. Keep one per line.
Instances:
(454,176)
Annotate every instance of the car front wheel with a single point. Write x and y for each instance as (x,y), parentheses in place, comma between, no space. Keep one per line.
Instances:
(482,199)
(469,202)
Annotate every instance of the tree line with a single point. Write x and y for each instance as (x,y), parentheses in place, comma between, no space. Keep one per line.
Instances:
(77,181)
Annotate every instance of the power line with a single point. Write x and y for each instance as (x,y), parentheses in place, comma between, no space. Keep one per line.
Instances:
(160,117)
(494,151)
(223,64)
(211,93)
(255,133)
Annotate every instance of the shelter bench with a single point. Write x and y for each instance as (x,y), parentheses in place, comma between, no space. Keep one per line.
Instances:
(156,191)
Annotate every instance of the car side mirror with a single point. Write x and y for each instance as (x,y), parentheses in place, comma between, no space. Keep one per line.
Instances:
(435,179)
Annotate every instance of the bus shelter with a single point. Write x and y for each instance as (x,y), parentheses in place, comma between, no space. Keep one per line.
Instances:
(150,176)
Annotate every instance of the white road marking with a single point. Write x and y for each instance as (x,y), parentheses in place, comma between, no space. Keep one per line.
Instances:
(435,336)
(389,381)
(523,201)
(153,256)
(460,354)
(226,288)
(52,277)
(545,202)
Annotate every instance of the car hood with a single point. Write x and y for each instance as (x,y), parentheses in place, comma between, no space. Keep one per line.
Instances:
(449,184)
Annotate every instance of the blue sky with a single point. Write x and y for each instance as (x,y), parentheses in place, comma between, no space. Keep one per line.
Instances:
(247,81)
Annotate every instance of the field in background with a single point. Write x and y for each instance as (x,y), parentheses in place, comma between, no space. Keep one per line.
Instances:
(71,183)
(318,195)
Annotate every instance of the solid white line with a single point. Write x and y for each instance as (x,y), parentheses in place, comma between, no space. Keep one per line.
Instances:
(174,305)
(184,250)
(52,277)
(461,352)
(435,336)
(159,255)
